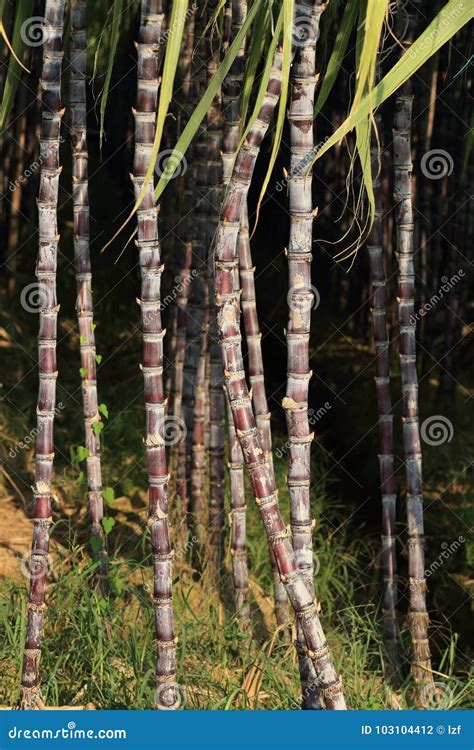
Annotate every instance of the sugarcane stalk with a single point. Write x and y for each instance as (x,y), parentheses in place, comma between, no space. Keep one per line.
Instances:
(180,258)
(253,337)
(235,14)
(30,694)
(217,407)
(300,303)
(418,615)
(261,473)
(149,38)
(177,472)
(384,405)
(83,273)
(196,362)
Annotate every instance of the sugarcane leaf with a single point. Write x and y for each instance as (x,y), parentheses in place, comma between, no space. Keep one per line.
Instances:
(103,409)
(202,107)
(265,76)
(108,494)
(5,38)
(81,454)
(114,37)
(24,11)
(288,13)
(108,524)
(96,543)
(371,20)
(258,43)
(97,428)
(337,56)
(445,25)
(170,66)
(195,119)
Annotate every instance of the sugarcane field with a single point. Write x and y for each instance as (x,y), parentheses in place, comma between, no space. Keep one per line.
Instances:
(236,357)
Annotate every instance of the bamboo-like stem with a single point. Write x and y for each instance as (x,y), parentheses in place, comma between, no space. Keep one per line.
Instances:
(261,474)
(178,472)
(83,272)
(30,695)
(231,113)
(300,302)
(217,407)
(418,615)
(236,12)
(253,338)
(151,25)
(183,255)
(384,404)
(196,365)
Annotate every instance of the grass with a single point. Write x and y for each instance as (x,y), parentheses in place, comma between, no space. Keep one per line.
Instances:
(101,650)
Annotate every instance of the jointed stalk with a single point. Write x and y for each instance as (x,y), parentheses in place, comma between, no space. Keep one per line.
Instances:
(263,482)
(300,300)
(236,12)
(151,26)
(418,616)
(253,337)
(217,405)
(83,272)
(384,405)
(52,113)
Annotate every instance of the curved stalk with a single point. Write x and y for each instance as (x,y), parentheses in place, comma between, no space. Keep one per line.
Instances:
(236,12)
(151,26)
(83,273)
(261,474)
(30,695)
(253,337)
(300,301)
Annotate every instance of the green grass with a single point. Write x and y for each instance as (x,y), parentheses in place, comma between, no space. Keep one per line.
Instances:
(101,650)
